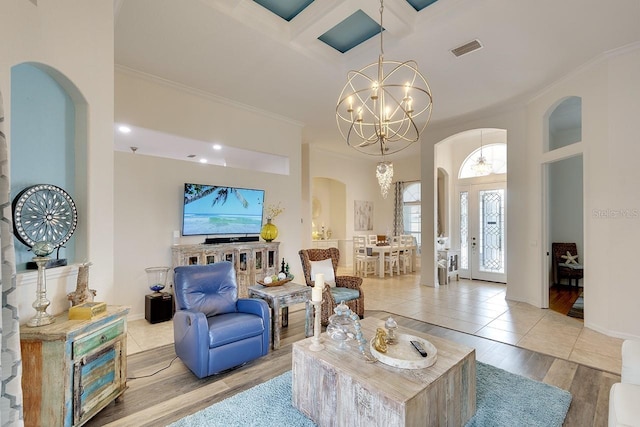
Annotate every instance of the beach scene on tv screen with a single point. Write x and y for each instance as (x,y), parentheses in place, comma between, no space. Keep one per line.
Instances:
(221,210)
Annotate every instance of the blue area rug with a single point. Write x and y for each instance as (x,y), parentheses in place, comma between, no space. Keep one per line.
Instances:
(502,399)
(577,309)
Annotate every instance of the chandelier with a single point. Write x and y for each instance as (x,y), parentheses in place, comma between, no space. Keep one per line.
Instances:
(384,173)
(385,106)
(481,167)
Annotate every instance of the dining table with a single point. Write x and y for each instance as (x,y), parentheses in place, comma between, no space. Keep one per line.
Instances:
(382,250)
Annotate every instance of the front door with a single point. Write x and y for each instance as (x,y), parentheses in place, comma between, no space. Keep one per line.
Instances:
(483,232)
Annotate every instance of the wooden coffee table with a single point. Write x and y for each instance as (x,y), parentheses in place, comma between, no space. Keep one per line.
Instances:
(279,297)
(338,387)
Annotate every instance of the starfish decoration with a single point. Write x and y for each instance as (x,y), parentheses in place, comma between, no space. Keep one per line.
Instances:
(571,259)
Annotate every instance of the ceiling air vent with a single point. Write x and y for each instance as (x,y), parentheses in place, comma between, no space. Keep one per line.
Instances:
(466,48)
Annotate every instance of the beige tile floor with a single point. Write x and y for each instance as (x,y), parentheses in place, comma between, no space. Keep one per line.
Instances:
(474,307)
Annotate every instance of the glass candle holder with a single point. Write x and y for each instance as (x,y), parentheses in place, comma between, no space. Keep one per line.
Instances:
(391,326)
(157,278)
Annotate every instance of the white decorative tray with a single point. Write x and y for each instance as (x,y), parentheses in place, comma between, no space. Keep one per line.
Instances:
(404,355)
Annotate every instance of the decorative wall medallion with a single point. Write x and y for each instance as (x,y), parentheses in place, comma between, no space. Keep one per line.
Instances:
(44,212)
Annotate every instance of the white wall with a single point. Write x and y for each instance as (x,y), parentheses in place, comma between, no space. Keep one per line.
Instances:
(52,33)
(611,177)
(149,189)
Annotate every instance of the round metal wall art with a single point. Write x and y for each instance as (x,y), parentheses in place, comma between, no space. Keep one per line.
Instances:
(44,212)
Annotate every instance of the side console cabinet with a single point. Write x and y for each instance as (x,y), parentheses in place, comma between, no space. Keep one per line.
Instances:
(252,260)
(73,368)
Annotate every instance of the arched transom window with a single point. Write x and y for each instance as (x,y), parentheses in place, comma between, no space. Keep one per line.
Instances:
(495,155)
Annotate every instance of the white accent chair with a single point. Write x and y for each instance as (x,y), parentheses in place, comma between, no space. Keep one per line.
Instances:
(624,397)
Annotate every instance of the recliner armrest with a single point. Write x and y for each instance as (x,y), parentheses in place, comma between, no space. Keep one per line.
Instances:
(190,338)
(260,308)
(254,306)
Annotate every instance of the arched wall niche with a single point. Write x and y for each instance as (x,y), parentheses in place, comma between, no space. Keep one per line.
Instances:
(330,197)
(563,123)
(49,138)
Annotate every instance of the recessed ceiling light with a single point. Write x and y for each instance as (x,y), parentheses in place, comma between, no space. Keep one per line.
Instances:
(124,129)
(217,147)
(203,160)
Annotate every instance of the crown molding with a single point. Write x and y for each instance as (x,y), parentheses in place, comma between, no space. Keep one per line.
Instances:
(203,94)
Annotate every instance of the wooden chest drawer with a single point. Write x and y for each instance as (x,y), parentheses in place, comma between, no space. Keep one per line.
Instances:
(88,343)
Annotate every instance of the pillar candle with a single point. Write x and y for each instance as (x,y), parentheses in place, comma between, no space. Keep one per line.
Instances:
(319,280)
(316,292)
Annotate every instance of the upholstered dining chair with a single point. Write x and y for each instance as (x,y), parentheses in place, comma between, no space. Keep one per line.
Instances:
(337,288)
(213,329)
(565,263)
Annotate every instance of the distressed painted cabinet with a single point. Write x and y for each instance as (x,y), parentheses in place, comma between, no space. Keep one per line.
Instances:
(252,260)
(73,368)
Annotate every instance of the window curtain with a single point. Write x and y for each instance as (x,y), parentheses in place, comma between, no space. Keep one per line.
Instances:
(11,397)
(398,220)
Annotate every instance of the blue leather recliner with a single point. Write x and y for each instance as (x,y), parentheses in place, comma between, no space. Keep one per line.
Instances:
(213,329)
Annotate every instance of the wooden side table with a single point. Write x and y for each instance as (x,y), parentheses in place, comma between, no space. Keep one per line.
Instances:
(279,297)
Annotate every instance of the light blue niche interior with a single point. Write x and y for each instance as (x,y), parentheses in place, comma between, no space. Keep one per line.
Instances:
(42,142)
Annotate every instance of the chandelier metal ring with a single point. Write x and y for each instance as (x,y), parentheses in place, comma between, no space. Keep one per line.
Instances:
(379,106)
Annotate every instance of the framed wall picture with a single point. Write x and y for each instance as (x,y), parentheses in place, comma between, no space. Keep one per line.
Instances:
(363,215)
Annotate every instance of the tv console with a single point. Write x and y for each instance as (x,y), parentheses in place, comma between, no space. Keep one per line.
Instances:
(215,240)
(252,260)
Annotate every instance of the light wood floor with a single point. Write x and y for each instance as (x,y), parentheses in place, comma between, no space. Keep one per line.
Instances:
(175,392)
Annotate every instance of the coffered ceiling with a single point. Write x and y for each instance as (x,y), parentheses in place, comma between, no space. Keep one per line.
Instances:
(240,50)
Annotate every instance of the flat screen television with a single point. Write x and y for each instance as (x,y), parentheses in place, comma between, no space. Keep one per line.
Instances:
(211,210)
